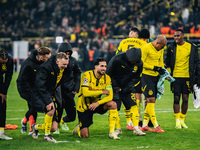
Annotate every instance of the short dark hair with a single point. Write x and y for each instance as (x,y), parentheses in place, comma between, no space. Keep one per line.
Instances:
(100,59)
(43,51)
(144,33)
(181,30)
(135,29)
(3,54)
(61,55)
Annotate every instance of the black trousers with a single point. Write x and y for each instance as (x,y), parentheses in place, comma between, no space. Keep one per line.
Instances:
(2,113)
(69,106)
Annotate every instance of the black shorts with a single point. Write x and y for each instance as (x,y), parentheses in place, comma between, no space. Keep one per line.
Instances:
(128,100)
(138,87)
(85,118)
(149,85)
(181,85)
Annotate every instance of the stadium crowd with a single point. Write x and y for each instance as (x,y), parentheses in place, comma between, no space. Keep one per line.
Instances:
(88,25)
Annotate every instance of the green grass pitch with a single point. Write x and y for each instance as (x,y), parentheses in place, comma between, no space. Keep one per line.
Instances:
(172,138)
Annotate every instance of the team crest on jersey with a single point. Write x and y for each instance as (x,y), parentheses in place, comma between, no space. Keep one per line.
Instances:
(85,81)
(150,92)
(4,67)
(135,68)
(123,66)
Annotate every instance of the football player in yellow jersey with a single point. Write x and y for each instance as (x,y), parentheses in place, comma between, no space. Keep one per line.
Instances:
(131,41)
(183,59)
(136,40)
(50,75)
(152,57)
(95,96)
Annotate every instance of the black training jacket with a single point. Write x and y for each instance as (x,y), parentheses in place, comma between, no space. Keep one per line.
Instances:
(123,74)
(27,74)
(194,63)
(6,72)
(45,84)
(72,82)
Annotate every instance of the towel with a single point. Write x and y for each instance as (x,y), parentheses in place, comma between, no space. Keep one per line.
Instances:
(196,96)
(160,84)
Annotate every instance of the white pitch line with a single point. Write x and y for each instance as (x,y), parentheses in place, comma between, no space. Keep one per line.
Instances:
(164,111)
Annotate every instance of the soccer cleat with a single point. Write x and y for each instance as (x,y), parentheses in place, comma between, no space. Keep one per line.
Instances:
(35,132)
(147,129)
(178,125)
(114,136)
(24,127)
(57,131)
(75,131)
(118,131)
(30,132)
(183,124)
(49,138)
(140,127)
(138,132)
(64,127)
(4,136)
(129,127)
(159,130)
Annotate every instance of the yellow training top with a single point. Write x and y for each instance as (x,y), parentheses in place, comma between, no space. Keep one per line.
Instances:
(91,90)
(181,68)
(130,43)
(151,57)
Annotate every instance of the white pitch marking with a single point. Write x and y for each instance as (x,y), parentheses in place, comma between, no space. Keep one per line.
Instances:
(107,114)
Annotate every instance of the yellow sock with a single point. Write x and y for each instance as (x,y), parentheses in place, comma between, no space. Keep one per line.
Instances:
(127,115)
(79,132)
(1,128)
(48,122)
(152,114)
(61,120)
(117,123)
(182,117)
(40,126)
(138,104)
(177,116)
(146,117)
(112,119)
(135,115)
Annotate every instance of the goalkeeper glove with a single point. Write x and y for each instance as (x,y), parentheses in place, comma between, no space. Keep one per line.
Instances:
(160,70)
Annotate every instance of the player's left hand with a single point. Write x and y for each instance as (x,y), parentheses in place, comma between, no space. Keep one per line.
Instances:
(3,97)
(93,106)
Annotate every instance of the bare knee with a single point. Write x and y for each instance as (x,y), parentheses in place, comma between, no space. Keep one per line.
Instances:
(84,133)
(110,105)
(54,126)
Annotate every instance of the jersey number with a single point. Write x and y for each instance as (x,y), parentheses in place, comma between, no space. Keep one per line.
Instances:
(130,46)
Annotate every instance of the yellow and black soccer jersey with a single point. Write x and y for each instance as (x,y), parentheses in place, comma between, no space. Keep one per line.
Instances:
(91,90)
(181,68)
(130,43)
(151,57)
(59,77)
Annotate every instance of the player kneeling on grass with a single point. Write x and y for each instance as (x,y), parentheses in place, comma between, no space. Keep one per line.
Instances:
(50,76)
(94,84)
